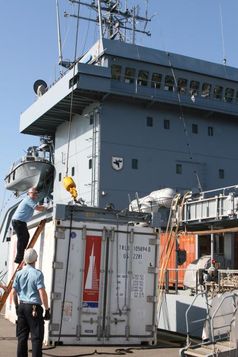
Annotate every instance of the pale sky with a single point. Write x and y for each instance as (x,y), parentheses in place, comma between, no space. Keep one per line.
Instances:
(205,29)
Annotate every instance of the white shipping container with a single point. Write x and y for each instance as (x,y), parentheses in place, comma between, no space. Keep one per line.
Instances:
(101,277)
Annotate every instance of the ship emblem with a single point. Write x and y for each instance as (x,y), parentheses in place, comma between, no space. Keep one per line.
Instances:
(117,163)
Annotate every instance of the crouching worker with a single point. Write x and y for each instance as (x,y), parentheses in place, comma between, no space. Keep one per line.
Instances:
(22,215)
(28,295)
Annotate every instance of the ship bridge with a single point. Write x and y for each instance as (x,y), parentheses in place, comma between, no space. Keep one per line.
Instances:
(132,72)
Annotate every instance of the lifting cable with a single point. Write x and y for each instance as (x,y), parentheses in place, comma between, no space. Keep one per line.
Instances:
(181,113)
(68,181)
(72,94)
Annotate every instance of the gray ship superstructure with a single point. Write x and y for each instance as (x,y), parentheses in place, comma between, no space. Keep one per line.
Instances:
(142,119)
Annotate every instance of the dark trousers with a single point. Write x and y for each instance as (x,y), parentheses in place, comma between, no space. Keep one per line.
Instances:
(26,324)
(22,238)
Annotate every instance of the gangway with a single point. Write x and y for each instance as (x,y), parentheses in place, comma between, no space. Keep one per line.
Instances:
(7,289)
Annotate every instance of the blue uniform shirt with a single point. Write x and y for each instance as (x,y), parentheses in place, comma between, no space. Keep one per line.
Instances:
(25,210)
(27,283)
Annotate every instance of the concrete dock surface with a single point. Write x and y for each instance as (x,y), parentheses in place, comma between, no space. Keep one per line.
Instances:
(8,346)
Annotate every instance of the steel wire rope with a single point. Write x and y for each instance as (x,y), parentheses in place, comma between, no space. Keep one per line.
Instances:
(117,352)
(181,113)
(72,94)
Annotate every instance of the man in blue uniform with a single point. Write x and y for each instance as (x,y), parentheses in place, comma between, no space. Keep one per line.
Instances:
(22,215)
(28,295)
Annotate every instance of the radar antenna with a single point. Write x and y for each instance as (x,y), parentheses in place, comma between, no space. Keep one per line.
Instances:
(112,20)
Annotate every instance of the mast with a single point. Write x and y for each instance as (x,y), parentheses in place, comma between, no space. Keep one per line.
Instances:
(62,63)
(112,20)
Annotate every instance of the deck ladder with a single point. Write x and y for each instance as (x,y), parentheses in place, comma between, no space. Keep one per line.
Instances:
(31,244)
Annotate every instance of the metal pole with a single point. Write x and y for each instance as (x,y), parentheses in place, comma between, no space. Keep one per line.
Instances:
(59,32)
(100,20)
(212,245)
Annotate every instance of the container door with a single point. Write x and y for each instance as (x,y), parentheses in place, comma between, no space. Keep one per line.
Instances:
(131,285)
(77,284)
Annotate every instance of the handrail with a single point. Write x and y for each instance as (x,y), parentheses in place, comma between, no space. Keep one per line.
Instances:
(216,310)
(186,317)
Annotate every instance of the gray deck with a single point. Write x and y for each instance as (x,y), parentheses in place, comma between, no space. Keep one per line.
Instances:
(8,345)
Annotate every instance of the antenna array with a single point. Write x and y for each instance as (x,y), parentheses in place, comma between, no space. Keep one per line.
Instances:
(114,23)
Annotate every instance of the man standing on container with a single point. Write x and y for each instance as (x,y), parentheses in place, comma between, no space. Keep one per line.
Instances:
(22,215)
(28,295)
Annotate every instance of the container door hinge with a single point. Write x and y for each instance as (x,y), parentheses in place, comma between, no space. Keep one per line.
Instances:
(112,235)
(99,331)
(154,241)
(153,270)
(90,321)
(151,298)
(60,233)
(58,265)
(78,331)
(150,328)
(54,327)
(56,296)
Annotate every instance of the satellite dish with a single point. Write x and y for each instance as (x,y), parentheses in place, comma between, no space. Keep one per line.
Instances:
(40,87)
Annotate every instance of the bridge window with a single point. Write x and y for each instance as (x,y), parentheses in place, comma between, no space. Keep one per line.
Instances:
(166,124)
(194,88)
(217,93)
(221,173)
(229,94)
(60,176)
(72,171)
(134,164)
(130,75)
(149,121)
(206,90)
(194,128)
(156,80)
(116,72)
(179,169)
(143,78)
(210,131)
(169,83)
(182,85)
(90,164)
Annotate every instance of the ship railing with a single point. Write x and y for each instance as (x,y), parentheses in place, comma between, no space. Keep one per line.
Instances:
(209,336)
(215,315)
(224,280)
(174,279)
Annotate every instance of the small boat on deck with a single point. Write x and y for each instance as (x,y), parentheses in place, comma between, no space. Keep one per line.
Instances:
(33,169)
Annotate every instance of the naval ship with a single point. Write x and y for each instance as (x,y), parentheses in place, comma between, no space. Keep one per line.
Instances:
(125,121)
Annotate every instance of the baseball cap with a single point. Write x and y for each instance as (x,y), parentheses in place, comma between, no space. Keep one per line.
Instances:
(30,256)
